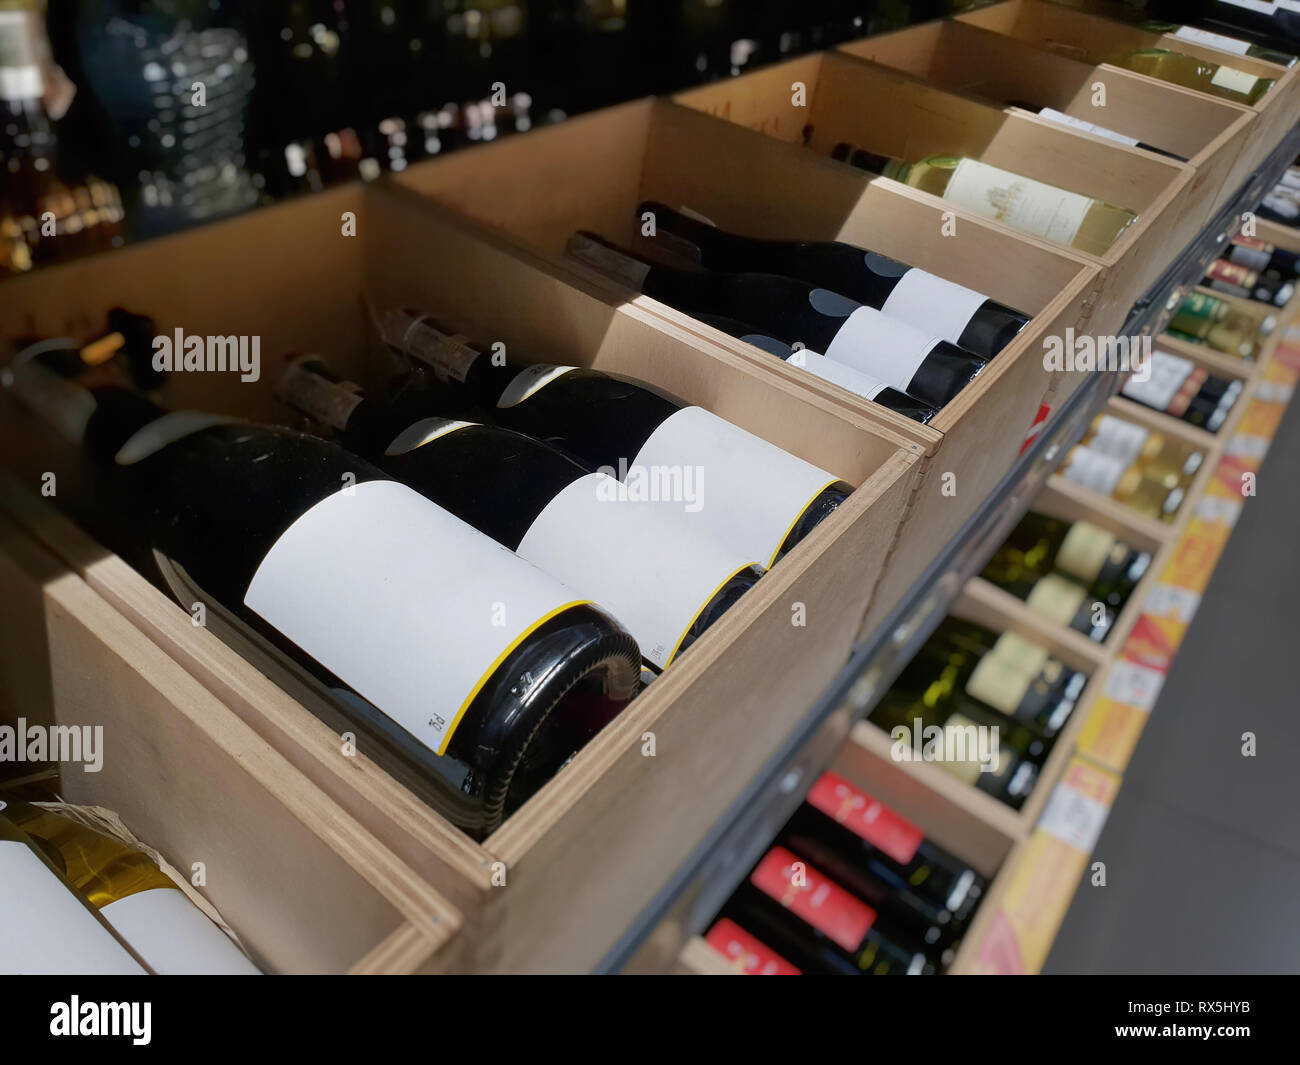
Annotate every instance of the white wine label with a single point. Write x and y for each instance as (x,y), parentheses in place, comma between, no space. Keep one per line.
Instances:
(886,348)
(1234,80)
(1056,598)
(605,260)
(860,384)
(329,402)
(529,382)
(1093,470)
(1027,655)
(425,431)
(45,930)
(1171,601)
(1212,40)
(1250,258)
(966,769)
(1135,685)
(166,430)
(1074,818)
(603,544)
(402,601)
(1084,551)
(1038,208)
(749,493)
(933,304)
(1062,119)
(1002,685)
(175,937)
(1167,376)
(1119,439)
(1218,511)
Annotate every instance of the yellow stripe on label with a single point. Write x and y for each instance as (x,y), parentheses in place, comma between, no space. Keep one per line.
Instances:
(514,644)
(802,511)
(678,645)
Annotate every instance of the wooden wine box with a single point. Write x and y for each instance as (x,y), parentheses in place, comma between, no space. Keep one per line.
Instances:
(847,100)
(558,883)
(592,172)
(1211,134)
(1072,33)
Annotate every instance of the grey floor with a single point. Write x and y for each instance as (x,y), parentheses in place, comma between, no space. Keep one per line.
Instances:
(1202,848)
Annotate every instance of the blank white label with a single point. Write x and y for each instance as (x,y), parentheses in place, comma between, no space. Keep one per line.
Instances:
(403,601)
(1074,818)
(1038,208)
(932,304)
(1062,119)
(1093,470)
(1171,601)
(754,492)
(1212,40)
(1234,80)
(45,930)
(861,384)
(638,558)
(174,936)
(873,343)
(1137,686)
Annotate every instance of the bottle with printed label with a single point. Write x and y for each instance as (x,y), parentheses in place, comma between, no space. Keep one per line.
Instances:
(762,500)
(919,363)
(1162,458)
(822,928)
(1227,327)
(894,850)
(1264,258)
(648,562)
(838,373)
(747,954)
(1275,25)
(1039,547)
(1181,389)
(1061,118)
(47,927)
(957,314)
(1191,72)
(1043,210)
(142,905)
(1222,42)
(465,671)
(1223,275)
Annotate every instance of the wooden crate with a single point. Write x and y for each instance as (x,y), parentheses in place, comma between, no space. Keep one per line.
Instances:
(1209,133)
(877,108)
(591,172)
(592,847)
(1070,32)
(303,884)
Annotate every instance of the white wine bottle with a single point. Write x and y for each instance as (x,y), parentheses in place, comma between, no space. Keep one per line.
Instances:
(1043,210)
(46,927)
(470,673)
(1191,72)
(654,568)
(142,905)
(762,500)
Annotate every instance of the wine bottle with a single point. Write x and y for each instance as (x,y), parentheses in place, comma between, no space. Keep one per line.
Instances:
(1191,72)
(846,377)
(473,675)
(786,899)
(1222,42)
(895,851)
(1142,469)
(762,500)
(46,927)
(1063,119)
(1034,207)
(139,901)
(1263,257)
(578,526)
(957,314)
(1274,25)
(1039,546)
(1181,389)
(1237,280)
(1222,325)
(747,954)
(921,364)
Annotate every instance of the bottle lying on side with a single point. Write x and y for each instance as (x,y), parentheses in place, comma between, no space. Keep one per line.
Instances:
(470,674)
(918,363)
(955,313)
(142,904)
(651,565)
(1035,207)
(762,500)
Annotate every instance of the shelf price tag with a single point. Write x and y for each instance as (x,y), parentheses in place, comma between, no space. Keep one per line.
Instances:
(1136,685)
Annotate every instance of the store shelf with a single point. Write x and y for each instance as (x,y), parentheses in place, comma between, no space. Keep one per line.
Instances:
(698,888)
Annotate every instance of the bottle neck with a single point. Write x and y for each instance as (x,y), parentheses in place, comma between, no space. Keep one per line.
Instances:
(449,357)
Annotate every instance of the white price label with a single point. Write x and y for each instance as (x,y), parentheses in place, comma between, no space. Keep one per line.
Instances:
(1171,601)
(1273,392)
(1245,446)
(1073,818)
(1218,510)
(1137,686)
